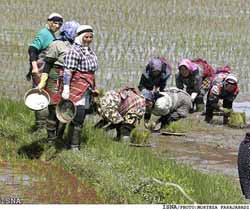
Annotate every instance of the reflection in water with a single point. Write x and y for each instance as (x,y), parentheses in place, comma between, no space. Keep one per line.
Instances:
(11,185)
(242,107)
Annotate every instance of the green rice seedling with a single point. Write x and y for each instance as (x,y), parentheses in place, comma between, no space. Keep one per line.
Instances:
(140,136)
(132,39)
(237,119)
(125,39)
(179,126)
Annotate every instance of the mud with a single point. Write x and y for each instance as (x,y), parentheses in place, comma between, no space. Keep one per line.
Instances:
(211,148)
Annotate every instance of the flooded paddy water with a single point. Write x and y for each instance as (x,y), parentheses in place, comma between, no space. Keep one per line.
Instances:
(209,158)
(125,38)
(129,34)
(41,183)
(211,148)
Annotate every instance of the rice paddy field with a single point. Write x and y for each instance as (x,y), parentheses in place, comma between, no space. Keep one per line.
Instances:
(128,33)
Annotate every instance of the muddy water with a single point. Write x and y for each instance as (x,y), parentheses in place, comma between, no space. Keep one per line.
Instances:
(38,182)
(208,148)
(204,157)
(242,107)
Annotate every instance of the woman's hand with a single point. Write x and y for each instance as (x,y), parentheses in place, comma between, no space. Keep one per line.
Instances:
(66,92)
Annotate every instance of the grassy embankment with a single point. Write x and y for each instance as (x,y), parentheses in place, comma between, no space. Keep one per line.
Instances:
(119,173)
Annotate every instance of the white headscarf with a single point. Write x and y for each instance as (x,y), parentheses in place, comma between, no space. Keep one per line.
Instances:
(162,105)
(81,31)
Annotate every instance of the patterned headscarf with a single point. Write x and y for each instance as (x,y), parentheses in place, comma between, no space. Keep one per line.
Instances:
(68,30)
(188,64)
(155,64)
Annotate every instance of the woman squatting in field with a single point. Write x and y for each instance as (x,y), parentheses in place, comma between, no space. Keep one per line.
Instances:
(196,75)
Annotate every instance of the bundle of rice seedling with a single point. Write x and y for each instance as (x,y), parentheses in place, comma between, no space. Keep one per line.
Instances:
(237,119)
(180,126)
(140,136)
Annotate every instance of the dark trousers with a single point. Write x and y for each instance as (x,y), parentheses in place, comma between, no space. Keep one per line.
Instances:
(210,109)
(122,129)
(199,102)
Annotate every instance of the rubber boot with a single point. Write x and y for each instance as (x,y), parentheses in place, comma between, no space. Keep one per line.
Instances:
(75,138)
(199,103)
(163,121)
(40,122)
(225,120)
(69,135)
(60,130)
(51,131)
(124,131)
(41,118)
(209,114)
(200,107)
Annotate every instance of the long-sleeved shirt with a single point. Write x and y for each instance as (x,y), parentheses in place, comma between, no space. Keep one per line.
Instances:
(55,54)
(212,99)
(42,40)
(192,82)
(148,81)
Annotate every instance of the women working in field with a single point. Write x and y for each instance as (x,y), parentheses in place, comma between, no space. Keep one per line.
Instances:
(121,110)
(79,79)
(224,89)
(171,105)
(196,75)
(37,51)
(156,74)
(52,76)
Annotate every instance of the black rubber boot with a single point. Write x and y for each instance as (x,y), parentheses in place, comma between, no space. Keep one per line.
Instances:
(208,118)
(225,120)
(200,107)
(60,130)
(77,125)
(123,132)
(75,138)
(164,121)
(209,114)
(69,135)
(51,130)
(41,118)
(199,104)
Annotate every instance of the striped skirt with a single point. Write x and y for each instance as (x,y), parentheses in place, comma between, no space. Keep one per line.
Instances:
(80,83)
